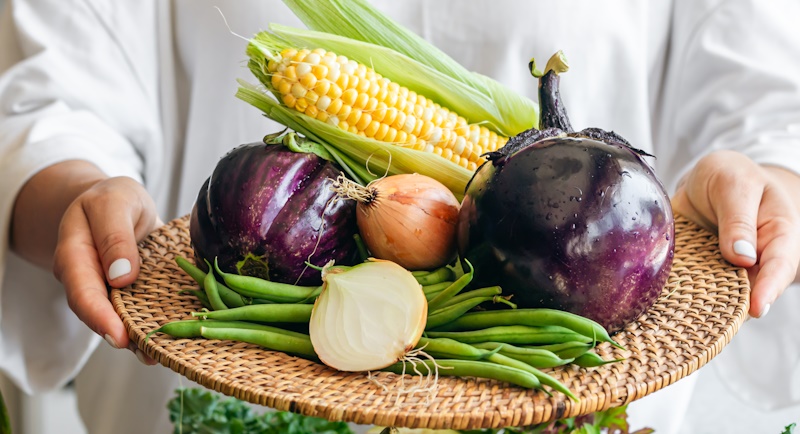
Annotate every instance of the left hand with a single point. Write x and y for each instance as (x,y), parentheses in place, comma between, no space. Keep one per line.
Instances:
(756,216)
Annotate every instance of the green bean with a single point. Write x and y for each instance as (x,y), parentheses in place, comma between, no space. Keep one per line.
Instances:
(260,288)
(566,350)
(436,287)
(468,368)
(541,376)
(481,292)
(591,359)
(534,357)
(200,296)
(459,350)
(191,328)
(449,349)
(363,252)
(436,276)
(271,313)
(445,314)
(420,273)
(229,297)
(515,335)
(531,317)
(212,292)
(453,289)
(300,346)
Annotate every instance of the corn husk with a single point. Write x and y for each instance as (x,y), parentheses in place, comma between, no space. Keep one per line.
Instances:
(398,55)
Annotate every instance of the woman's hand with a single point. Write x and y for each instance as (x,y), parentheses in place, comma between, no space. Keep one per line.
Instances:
(756,211)
(86,226)
(97,244)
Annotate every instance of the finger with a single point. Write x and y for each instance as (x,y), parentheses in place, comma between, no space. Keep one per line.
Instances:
(78,267)
(779,244)
(735,201)
(118,219)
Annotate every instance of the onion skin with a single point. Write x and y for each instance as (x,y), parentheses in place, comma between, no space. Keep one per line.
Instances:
(572,224)
(270,202)
(411,221)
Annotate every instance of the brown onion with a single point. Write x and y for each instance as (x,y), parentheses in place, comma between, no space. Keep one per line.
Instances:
(409,219)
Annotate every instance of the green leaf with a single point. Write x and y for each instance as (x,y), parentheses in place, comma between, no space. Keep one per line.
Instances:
(789,429)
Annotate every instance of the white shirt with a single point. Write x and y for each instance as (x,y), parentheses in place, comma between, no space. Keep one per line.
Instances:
(145,89)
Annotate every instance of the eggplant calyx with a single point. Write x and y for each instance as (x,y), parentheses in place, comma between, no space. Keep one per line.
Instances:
(253,265)
(608,137)
(521,141)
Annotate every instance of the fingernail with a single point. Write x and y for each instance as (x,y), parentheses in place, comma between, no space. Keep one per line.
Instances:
(744,248)
(111,341)
(765,311)
(119,268)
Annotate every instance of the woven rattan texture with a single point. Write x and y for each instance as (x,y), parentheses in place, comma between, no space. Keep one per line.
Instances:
(701,308)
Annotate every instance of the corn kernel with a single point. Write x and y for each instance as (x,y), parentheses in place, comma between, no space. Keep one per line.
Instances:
(298,90)
(321,115)
(308,80)
(344,112)
(289,100)
(364,121)
(323,103)
(311,97)
(303,69)
(319,71)
(372,129)
(361,100)
(312,111)
(355,116)
(290,73)
(334,107)
(391,135)
(301,105)
(472,166)
(322,87)
(284,87)
(383,129)
(335,92)
(349,97)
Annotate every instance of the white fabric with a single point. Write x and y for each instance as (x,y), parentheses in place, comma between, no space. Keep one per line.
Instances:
(145,89)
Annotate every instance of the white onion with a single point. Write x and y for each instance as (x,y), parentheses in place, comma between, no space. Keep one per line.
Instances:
(368,316)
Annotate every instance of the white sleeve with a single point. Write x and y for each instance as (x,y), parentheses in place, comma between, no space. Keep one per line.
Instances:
(77,82)
(733,82)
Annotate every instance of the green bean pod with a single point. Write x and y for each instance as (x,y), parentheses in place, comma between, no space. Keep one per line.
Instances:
(445,314)
(515,335)
(436,287)
(469,368)
(191,328)
(490,291)
(229,297)
(592,359)
(439,275)
(453,289)
(269,313)
(363,252)
(449,349)
(531,317)
(298,345)
(566,350)
(541,376)
(534,357)
(210,284)
(255,287)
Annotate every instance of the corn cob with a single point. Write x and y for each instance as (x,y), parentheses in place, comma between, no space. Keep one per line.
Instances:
(353,97)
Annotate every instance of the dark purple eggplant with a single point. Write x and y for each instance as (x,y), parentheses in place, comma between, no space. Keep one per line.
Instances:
(576,221)
(266,210)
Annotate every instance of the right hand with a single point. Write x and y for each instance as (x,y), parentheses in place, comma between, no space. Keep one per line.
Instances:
(97,245)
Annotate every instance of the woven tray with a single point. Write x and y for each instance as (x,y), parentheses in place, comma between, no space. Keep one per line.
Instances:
(701,308)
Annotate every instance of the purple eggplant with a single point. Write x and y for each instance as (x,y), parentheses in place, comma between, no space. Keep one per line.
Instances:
(266,210)
(576,221)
